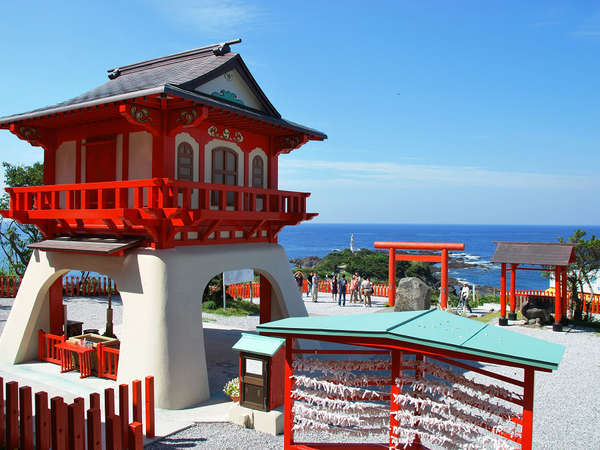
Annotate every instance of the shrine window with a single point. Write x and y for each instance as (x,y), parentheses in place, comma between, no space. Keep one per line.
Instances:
(258,172)
(224,171)
(185,162)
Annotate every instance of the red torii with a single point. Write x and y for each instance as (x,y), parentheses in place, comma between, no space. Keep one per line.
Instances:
(442,258)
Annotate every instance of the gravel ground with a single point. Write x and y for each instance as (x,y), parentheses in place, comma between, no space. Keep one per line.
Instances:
(567,402)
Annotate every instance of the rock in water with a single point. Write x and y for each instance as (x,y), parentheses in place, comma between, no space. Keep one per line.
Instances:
(412,294)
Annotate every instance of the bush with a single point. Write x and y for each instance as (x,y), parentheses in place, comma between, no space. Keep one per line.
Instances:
(210,305)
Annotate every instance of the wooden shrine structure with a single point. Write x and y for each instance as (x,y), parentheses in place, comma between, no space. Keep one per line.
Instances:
(518,255)
(400,380)
(161,178)
(441,258)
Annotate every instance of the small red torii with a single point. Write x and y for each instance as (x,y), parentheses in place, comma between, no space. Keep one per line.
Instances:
(442,258)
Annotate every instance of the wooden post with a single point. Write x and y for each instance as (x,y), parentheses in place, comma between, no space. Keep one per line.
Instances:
(94,400)
(109,403)
(288,420)
(391,277)
(444,280)
(42,421)
(395,390)
(136,399)
(564,294)
(77,425)
(12,415)
(26,418)
(113,433)
(57,318)
(94,429)
(136,441)
(557,326)
(512,315)
(527,431)
(2,421)
(124,413)
(265,299)
(149,406)
(59,423)
(503,320)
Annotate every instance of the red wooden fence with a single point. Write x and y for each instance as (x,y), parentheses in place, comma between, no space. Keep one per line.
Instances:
(62,426)
(108,362)
(47,350)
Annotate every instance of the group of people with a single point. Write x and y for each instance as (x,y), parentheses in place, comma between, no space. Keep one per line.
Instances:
(361,289)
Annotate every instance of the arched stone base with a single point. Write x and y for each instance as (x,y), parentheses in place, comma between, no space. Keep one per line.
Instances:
(161,290)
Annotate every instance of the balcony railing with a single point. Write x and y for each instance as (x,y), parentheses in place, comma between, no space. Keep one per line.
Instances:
(144,206)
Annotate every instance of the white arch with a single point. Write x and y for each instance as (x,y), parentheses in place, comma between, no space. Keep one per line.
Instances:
(162,333)
(186,137)
(208,148)
(258,152)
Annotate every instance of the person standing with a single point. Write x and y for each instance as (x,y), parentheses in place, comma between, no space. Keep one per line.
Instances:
(342,290)
(367,290)
(354,287)
(299,281)
(315,287)
(465,292)
(309,279)
(359,286)
(334,287)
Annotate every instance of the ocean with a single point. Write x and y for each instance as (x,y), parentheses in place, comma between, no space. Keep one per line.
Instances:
(315,239)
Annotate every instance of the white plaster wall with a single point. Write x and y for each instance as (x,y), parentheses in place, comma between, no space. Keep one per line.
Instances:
(66,157)
(232,81)
(140,155)
(162,332)
(215,143)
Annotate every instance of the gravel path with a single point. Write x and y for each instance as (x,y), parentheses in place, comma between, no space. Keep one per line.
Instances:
(567,402)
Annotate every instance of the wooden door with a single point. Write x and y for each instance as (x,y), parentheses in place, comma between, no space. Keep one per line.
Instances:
(100,165)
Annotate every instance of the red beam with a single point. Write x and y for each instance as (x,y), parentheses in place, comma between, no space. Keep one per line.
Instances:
(420,245)
(425,258)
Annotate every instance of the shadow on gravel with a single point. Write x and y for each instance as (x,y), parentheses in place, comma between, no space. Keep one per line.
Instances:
(176,443)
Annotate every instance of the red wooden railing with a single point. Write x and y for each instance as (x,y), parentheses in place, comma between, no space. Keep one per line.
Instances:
(9,285)
(108,361)
(62,426)
(47,350)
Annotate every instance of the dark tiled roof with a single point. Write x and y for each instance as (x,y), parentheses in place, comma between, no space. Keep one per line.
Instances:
(550,254)
(175,74)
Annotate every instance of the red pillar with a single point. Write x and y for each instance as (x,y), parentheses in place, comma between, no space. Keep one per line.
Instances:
(565,294)
(503,320)
(288,433)
(57,318)
(526,434)
(557,301)
(265,300)
(444,280)
(392,277)
(512,315)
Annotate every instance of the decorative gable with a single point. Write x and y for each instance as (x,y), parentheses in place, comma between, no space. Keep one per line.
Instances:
(232,87)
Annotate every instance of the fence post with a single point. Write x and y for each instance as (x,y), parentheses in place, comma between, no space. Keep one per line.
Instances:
(94,401)
(136,441)
(42,421)
(76,425)
(149,406)
(59,423)
(124,413)
(136,399)
(94,429)
(2,422)
(12,415)
(26,418)
(113,433)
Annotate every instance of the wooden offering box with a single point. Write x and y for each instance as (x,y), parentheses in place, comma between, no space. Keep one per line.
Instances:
(95,339)
(261,371)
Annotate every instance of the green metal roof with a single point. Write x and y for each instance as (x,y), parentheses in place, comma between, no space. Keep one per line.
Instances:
(434,328)
(257,344)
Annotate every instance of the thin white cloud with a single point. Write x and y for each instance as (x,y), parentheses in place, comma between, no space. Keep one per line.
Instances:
(394,174)
(211,16)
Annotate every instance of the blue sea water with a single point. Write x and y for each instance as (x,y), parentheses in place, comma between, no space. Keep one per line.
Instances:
(315,239)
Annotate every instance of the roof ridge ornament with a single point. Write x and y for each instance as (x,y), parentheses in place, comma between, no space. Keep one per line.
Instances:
(223,48)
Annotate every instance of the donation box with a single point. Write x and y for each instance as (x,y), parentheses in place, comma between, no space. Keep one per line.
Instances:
(262,365)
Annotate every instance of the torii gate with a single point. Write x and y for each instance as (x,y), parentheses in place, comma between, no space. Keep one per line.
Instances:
(443,247)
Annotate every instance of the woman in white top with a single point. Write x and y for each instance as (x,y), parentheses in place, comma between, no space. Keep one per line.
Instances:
(367,290)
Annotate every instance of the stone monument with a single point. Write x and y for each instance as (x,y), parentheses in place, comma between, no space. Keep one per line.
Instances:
(412,294)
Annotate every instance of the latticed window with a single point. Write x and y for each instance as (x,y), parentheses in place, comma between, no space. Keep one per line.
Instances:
(258,171)
(224,171)
(185,162)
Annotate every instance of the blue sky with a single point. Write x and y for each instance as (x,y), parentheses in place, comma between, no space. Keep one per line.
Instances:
(436,112)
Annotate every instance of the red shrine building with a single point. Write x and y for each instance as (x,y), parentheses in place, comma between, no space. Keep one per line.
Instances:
(161,178)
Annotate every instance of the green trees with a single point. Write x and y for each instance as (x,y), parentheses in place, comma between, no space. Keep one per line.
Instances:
(586,266)
(15,237)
